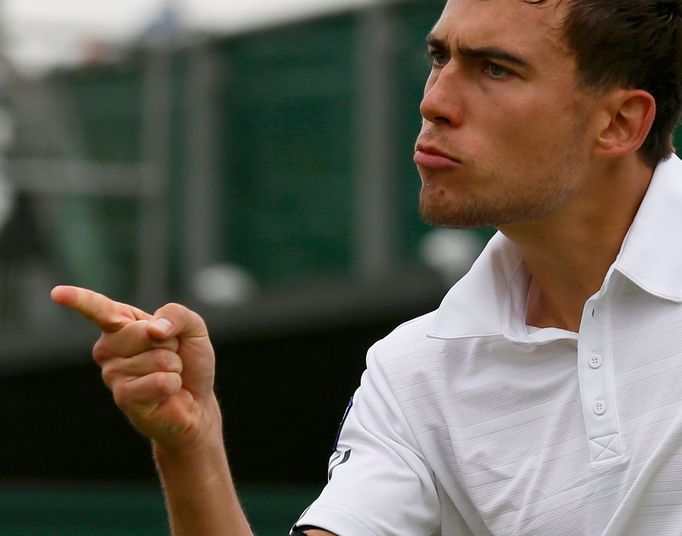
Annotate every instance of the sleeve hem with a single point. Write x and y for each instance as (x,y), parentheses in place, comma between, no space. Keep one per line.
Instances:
(333,520)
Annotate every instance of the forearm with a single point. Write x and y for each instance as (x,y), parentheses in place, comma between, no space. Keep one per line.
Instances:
(200,493)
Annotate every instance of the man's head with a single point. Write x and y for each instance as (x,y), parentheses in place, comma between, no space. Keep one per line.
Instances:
(529,100)
(631,44)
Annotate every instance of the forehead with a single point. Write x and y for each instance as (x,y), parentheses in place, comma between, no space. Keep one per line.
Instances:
(533,30)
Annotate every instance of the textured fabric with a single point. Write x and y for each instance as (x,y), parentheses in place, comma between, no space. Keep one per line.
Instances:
(466,422)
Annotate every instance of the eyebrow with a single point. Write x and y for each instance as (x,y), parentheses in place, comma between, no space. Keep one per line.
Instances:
(491,52)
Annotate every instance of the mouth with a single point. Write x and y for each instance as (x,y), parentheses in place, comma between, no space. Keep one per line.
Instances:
(431,157)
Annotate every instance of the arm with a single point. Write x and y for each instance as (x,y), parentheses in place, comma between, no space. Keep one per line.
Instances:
(200,495)
(160,369)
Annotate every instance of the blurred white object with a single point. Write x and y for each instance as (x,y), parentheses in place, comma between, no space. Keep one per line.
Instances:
(451,252)
(39,36)
(218,16)
(223,284)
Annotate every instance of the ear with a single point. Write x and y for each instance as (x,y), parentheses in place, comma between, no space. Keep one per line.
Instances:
(630,114)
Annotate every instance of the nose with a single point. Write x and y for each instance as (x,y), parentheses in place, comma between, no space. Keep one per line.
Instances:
(440,104)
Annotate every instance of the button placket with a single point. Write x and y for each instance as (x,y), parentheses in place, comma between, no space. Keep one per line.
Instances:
(595,373)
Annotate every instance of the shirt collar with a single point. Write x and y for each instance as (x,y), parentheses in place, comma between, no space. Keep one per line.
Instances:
(479,302)
(491,298)
(651,255)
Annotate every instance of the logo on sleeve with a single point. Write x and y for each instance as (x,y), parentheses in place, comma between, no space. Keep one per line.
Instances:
(338,458)
(343,420)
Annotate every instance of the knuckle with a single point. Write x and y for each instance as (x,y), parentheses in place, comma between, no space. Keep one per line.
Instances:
(109,375)
(162,382)
(166,383)
(121,396)
(136,329)
(180,312)
(101,351)
(166,361)
(172,309)
(161,360)
(197,319)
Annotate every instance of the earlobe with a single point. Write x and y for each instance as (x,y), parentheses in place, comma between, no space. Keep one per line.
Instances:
(631,114)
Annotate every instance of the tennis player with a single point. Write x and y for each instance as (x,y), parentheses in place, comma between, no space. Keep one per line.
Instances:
(544,396)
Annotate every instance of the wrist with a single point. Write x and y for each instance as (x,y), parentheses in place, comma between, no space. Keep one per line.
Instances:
(200,440)
(197,483)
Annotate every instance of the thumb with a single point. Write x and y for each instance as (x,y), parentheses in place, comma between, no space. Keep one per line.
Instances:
(175,320)
(194,346)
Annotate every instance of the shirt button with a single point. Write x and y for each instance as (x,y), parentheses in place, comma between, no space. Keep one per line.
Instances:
(599,407)
(595,361)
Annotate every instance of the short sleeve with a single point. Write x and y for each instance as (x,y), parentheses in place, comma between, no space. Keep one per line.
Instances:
(380,484)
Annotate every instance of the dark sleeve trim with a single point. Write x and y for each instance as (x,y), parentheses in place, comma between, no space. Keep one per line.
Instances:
(298,531)
(343,421)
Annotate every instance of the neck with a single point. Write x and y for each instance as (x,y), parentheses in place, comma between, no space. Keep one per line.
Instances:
(569,252)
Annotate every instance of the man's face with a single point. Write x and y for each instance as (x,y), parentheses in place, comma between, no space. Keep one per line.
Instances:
(504,136)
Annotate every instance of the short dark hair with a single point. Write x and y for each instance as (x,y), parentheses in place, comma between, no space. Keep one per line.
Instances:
(635,44)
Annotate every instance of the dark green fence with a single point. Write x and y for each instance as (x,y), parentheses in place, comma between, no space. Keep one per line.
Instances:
(288,144)
(121,511)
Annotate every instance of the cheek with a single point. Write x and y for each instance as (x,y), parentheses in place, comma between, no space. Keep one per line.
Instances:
(532,135)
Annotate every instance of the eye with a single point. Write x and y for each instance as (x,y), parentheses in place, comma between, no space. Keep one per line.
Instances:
(496,71)
(437,57)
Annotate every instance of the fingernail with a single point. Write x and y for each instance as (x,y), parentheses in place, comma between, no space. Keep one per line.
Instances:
(162,325)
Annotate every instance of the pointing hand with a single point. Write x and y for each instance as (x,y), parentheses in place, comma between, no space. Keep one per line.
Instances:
(160,367)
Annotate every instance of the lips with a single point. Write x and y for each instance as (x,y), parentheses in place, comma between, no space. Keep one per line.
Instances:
(431,157)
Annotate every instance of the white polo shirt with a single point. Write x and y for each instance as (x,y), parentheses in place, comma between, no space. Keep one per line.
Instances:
(467,422)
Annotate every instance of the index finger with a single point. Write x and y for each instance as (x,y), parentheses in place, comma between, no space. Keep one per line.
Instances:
(107,314)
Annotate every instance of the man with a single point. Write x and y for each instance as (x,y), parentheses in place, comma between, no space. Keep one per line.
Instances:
(543,397)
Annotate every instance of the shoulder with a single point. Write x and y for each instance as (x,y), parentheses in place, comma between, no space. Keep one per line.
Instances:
(415,329)
(408,354)
(407,336)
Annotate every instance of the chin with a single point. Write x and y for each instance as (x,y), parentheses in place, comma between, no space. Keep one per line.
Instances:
(441,212)
(453,219)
